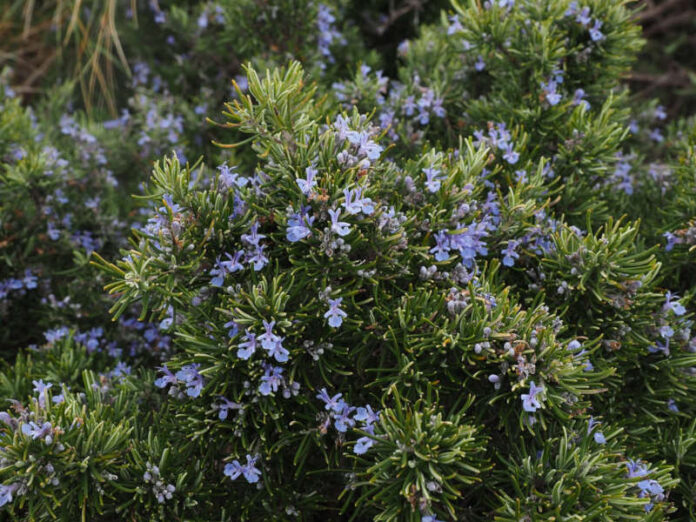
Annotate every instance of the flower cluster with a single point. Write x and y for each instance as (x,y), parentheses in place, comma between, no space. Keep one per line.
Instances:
(188,377)
(328,34)
(582,17)
(17,286)
(648,487)
(346,417)
(153,478)
(499,138)
(249,470)
(433,236)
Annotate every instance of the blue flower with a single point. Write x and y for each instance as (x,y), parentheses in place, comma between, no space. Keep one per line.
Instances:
(653,489)
(233,328)
(509,253)
(278,352)
(656,135)
(675,306)
(268,339)
(257,258)
(351,206)
(52,231)
(636,469)
(272,378)
(438,109)
(167,378)
(225,406)
(6,492)
(595,33)
(41,388)
(667,332)
(29,280)
(334,403)
(660,113)
(468,242)
(298,225)
(598,435)
(550,93)
(480,65)
(432,179)
(578,98)
(366,415)
(660,347)
(248,347)
(583,17)
(574,345)
(203,19)
(671,241)
(409,105)
(36,431)
(249,470)
(253,237)
(442,246)
(364,443)
(193,380)
(339,227)
(335,314)
(530,402)
(327,34)
(455,25)
(366,205)
(366,147)
(222,268)
(511,155)
(227,179)
(309,182)
(342,420)
(56,334)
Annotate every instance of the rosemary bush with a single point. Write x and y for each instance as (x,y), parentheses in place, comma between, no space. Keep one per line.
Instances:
(458,291)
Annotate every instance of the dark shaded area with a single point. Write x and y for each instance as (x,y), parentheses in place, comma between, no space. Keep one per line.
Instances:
(667,66)
(384,24)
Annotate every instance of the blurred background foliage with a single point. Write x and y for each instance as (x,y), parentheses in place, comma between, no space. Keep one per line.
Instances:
(91,42)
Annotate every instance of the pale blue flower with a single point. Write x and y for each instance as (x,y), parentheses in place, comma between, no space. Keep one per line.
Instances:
(268,339)
(530,402)
(234,469)
(595,33)
(6,492)
(339,227)
(299,225)
(271,380)
(278,351)
(432,179)
(247,348)
(343,420)
(335,314)
(225,406)
(673,305)
(366,415)
(193,380)
(509,253)
(442,246)
(598,435)
(334,403)
(41,388)
(167,378)
(309,182)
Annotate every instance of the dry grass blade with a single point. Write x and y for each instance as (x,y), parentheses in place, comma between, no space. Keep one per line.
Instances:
(90,30)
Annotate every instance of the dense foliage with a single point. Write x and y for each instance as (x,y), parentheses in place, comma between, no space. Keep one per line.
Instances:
(448,277)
